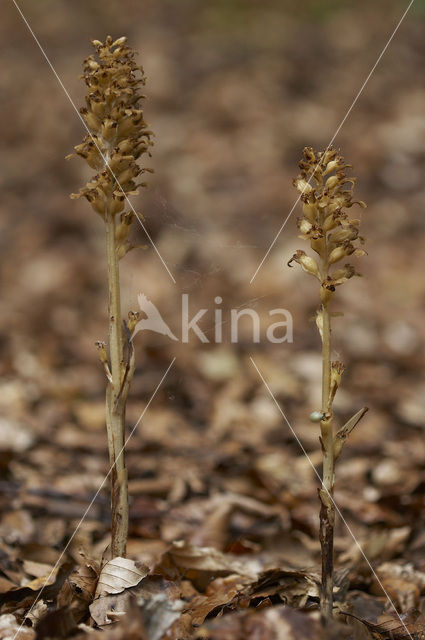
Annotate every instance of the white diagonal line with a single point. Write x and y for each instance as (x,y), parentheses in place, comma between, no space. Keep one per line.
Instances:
(351,107)
(94,141)
(95,495)
(330,496)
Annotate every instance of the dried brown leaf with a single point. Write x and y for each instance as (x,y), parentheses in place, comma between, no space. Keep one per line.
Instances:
(37,569)
(293,587)
(391,626)
(48,578)
(110,608)
(219,593)
(117,575)
(78,590)
(277,623)
(206,559)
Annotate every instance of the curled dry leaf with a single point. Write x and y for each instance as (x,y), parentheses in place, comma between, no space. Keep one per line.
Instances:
(291,586)
(207,559)
(391,626)
(78,590)
(48,578)
(84,581)
(219,593)
(36,569)
(118,574)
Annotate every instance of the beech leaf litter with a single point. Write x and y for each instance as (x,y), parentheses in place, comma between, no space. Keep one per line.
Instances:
(223,541)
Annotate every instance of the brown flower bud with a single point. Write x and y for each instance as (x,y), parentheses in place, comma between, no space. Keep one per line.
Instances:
(337,254)
(310,212)
(118,202)
(331,166)
(359,253)
(122,230)
(115,117)
(119,41)
(331,221)
(318,245)
(309,154)
(305,226)
(303,186)
(349,232)
(123,249)
(342,275)
(308,264)
(331,182)
(108,131)
(328,155)
(325,223)
(90,119)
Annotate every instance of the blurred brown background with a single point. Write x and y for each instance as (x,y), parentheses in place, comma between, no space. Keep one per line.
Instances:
(235,90)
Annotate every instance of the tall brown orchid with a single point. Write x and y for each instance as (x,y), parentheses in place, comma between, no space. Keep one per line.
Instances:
(117,137)
(326,193)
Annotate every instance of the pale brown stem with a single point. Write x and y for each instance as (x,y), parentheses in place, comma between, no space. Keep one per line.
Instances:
(115,409)
(327,508)
(326,359)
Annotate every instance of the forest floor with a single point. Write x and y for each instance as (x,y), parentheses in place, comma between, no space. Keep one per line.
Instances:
(224,506)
